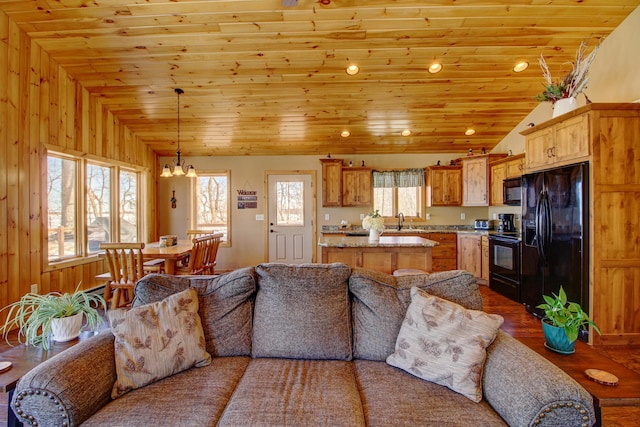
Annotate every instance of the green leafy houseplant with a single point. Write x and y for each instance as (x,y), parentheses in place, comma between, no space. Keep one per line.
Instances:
(566,315)
(33,314)
(573,83)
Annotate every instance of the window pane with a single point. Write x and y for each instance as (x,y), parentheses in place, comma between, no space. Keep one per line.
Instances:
(61,208)
(212,203)
(128,207)
(383,201)
(408,200)
(290,203)
(98,206)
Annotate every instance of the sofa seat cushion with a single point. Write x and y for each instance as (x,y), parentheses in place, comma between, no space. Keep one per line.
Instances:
(302,312)
(196,397)
(225,306)
(393,397)
(286,392)
(380,302)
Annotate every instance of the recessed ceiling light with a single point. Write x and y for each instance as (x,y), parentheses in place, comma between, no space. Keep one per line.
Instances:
(406,132)
(469,132)
(353,69)
(345,133)
(521,66)
(435,67)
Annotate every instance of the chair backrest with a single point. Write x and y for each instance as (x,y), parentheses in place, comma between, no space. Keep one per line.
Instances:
(198,253)
(125,261)
(212,253)
(192,234)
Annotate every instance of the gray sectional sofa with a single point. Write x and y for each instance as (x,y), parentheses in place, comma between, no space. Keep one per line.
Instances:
(301,346)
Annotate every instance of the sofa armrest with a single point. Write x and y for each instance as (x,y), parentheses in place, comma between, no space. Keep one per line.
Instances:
(527,390)
(68,388)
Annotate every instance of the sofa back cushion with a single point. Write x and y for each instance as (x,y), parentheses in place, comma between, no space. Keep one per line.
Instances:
(225,306)
(380,302)
(302,312)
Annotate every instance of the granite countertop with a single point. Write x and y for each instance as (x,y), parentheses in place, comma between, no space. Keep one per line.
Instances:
(343,241)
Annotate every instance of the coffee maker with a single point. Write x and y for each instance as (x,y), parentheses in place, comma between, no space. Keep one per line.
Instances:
(505,223)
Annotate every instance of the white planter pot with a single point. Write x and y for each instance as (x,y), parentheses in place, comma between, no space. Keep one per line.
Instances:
(374,235)
(67,328)
(563,106)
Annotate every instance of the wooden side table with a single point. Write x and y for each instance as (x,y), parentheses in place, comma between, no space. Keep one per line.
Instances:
(624,395)
(23,359)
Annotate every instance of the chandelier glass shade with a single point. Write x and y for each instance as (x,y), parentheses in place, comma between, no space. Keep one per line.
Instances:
(179,165)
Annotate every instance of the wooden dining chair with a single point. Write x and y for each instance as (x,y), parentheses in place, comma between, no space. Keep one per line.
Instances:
(126,267)
(197,258)
(211,253)
(192,234)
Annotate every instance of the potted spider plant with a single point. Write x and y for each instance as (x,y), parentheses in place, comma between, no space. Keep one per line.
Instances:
(57,315)
(562,321)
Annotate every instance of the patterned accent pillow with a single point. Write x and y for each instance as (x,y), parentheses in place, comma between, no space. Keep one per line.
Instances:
(445,343)
(157,340)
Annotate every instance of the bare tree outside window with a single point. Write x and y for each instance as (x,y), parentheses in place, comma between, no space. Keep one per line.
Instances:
(290,203)
(128,207)
(61,212)
(98,189)
(212,202)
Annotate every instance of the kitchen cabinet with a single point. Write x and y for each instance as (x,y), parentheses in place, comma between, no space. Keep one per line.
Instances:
(356,187)
(484,243)
(475,179)
(470,253)
(606,135)
(444,256)
(562,143)
(331,182)
(444,186)
(508,167)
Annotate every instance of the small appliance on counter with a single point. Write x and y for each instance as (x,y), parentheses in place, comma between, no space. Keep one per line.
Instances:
(483,224)
(505,223)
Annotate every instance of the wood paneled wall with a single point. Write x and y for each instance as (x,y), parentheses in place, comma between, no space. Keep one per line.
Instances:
(41,104)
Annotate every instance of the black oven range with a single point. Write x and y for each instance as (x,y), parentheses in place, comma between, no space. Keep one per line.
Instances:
(504,264)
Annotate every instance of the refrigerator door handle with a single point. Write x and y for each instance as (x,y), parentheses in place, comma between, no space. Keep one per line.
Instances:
(539,226)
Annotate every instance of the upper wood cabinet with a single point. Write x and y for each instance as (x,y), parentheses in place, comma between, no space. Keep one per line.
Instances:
(345,186)
(444,186)
(563,143)
(356,187)
(508,167)
(607,136)
(331,182)
(475,179)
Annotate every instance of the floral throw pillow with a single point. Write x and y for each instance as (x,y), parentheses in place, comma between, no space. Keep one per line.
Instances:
(157,340)
(445,343)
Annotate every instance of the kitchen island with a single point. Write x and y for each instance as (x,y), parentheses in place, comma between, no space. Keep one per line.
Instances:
(387,255)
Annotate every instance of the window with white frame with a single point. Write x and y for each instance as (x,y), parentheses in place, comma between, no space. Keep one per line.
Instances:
(211,203)
(89,202)
(399,191)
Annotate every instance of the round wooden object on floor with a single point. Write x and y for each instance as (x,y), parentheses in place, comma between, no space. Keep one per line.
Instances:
(601,377)
(408,272)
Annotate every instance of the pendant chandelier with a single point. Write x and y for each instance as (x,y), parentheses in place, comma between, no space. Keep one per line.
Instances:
(179,165)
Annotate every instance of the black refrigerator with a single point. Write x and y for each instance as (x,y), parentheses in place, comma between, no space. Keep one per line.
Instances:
(555,213)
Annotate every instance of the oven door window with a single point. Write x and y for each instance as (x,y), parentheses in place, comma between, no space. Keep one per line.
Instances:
(503,257)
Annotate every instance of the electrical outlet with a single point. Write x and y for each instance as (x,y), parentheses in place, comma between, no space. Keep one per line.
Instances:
(34,288)
(327,217)
(361,217)
(495,215)
(463,216)
(428,216)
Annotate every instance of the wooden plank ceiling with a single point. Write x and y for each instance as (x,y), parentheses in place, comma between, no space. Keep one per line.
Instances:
(263,79)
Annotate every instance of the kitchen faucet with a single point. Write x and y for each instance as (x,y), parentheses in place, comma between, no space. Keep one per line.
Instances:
(400,220)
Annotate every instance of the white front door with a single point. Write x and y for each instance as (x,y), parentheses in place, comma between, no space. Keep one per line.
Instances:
(291,217)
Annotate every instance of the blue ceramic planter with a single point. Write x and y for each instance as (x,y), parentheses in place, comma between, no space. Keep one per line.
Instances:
(556,339)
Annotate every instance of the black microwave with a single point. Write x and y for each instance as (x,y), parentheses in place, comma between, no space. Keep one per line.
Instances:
(512,191)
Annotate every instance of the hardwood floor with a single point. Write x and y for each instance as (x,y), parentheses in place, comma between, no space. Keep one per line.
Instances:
(518,323)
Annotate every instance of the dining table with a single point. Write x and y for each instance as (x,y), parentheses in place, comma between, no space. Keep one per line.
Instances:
(170,254)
